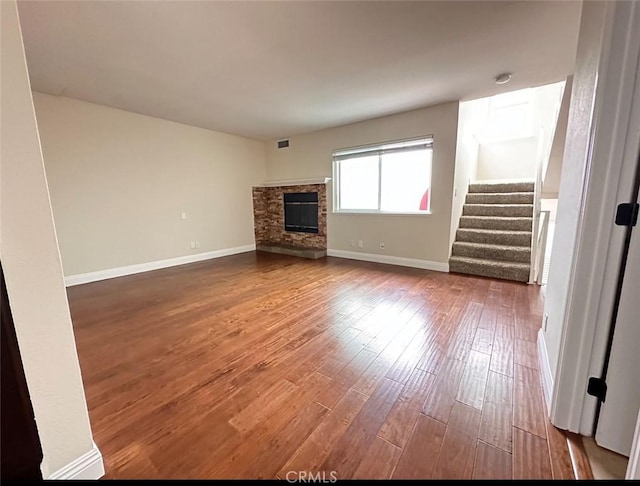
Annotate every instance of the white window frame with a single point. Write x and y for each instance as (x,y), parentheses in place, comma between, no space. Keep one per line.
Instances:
(380,149)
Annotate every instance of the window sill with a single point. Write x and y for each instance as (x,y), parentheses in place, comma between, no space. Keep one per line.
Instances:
(384,213)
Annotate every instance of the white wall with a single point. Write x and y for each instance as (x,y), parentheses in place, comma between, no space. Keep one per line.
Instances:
(421,237)
(509,159)
(550,205)
(573,174)
(553,171)
(517,158)
(471,116)
(547,104)
(32,268)
(119,182)
(612,32)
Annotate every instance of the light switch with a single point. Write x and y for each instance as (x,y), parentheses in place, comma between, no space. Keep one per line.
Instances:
(183,215)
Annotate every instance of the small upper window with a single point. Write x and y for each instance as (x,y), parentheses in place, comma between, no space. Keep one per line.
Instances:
(393,177)
(510,116)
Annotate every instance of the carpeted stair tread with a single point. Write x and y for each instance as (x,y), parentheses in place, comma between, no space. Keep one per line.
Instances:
(494,233)
(502,187)
(488,251)
(512,210)
(500,198)
(496,237)
(518,223)
(490,268)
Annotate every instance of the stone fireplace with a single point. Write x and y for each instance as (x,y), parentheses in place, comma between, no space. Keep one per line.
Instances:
(305,233)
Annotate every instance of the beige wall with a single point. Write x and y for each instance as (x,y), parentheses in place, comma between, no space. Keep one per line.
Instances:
(119,182)
(32,268)
(421,237)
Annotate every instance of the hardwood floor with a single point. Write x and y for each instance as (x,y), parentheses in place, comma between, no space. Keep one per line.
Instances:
(256,365)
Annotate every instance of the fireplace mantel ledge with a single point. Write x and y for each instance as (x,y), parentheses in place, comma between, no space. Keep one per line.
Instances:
(296,182)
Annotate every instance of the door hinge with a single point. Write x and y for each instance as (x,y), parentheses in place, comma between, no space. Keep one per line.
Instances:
(627,214)
(597,387)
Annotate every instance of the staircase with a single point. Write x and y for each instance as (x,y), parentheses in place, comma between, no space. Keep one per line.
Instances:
(494,236)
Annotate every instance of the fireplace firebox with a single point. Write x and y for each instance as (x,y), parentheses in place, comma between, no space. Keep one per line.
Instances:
(301,212)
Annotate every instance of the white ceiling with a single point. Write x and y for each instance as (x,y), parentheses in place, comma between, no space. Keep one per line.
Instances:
(274,69)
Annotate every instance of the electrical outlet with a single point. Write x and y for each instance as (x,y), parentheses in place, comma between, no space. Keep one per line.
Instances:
(360,245)
(197,244)
(352,242)
(192,245)
(381,245)
(183,215)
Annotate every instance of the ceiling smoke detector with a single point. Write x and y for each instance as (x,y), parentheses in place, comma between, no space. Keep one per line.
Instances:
(503,78)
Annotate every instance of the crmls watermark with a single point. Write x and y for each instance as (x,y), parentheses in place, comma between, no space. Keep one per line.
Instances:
(311,477)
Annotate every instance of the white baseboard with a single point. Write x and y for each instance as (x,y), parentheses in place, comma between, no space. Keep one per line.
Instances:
(87,466)
(83,278)
(545,370)
(390,260)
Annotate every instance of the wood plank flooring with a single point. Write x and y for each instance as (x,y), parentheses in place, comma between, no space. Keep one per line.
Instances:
(256,365)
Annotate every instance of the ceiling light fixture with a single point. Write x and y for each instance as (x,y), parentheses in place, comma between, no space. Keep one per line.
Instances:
(503,78)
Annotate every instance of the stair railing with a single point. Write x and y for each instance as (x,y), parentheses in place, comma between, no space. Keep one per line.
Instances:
(537,190)
(541,244)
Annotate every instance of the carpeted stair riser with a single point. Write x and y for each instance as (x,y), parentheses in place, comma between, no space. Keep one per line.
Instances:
(500,198)
(513,238)
(505,187)
(521,254)
(504,270)
(497,223)
(494,235)
(511,210)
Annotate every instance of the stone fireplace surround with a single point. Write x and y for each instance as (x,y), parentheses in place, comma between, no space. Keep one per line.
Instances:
(268,219)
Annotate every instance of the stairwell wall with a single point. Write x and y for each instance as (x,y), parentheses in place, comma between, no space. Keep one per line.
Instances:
(551,177)
(471,116)
(516,159)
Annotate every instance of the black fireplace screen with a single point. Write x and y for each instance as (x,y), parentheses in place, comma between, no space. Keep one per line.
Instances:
(301,212)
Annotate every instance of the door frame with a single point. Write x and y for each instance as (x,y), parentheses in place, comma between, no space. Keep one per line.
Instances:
(633,468)
(608,180)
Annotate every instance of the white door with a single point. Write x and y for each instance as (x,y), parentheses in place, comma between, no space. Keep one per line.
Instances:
(617,420)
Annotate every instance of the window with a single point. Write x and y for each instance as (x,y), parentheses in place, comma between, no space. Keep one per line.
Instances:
(510,116)
(393,177)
